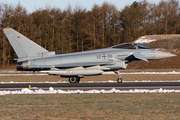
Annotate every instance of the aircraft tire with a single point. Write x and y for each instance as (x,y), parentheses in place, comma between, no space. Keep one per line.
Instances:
(73,79)
(119,80)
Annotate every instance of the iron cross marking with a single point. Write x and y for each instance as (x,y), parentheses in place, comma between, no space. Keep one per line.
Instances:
(104,56)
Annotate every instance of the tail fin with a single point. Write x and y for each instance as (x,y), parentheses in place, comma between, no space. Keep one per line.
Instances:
(23,46)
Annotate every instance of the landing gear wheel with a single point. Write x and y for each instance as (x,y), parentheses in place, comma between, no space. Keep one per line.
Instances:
(74,79)
(119,80)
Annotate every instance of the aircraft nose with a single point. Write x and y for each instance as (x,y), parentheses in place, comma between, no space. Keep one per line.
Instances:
(162,55)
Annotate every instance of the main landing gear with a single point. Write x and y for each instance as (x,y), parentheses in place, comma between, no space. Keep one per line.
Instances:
(74,79)
(77,79)
(119,80)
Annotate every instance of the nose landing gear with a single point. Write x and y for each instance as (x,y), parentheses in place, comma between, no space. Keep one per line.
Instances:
(119,80)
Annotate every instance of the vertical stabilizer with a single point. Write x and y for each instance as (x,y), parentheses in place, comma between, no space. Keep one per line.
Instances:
(23,46)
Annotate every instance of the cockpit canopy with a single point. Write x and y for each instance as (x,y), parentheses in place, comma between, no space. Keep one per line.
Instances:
(130,46)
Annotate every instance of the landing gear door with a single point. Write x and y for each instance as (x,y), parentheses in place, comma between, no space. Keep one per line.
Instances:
(122,65)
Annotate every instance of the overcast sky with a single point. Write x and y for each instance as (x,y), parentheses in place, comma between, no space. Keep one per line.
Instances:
(32,5)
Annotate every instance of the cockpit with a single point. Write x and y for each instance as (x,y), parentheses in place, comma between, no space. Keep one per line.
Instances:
(130,46)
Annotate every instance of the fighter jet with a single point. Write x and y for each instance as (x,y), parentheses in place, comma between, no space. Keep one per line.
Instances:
(32,57)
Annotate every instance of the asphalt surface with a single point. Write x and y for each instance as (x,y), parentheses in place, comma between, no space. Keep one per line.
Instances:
(90,86)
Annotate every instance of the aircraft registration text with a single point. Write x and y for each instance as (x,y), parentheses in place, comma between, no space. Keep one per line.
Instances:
(104,56)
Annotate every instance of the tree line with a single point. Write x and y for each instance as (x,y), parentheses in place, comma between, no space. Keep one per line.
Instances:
(77,29)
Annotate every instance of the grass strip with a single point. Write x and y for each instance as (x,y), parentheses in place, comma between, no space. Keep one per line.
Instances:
(91,106)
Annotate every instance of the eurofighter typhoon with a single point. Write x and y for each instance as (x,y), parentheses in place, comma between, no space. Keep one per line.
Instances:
(32,57)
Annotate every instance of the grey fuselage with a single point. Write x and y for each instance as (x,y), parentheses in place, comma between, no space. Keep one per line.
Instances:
(107,58)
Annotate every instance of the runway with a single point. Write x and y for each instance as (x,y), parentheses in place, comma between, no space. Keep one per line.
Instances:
(90,86)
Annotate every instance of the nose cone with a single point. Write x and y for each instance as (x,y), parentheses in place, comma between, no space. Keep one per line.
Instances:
(162,55)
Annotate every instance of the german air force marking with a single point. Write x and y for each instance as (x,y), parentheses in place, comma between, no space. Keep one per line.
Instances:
(103,56)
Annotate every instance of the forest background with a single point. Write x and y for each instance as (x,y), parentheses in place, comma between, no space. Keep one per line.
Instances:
(76,29)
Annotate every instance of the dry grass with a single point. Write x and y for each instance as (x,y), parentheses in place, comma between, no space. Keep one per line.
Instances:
(90,106)
(44,78)
(126,77)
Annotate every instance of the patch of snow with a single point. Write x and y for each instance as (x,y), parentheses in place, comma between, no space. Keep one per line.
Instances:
(143,37)
(144,40)
(111,81)
(113,90)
